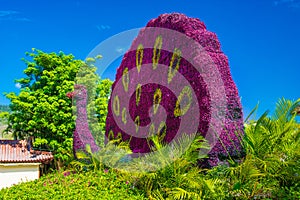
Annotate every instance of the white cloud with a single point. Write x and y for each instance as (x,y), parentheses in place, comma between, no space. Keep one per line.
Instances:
(12,15)
(4,13)
(120,50)
(103,27)
(18,85)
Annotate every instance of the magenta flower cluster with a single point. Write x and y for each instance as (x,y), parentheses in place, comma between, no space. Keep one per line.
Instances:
(232,126)
(82,135)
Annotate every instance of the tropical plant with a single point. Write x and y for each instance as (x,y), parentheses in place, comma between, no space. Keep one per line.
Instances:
(178,177)
(268,171)
(106,157)
(271,164)
(275,141)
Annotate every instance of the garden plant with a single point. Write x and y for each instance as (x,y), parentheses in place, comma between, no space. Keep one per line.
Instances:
(85,120)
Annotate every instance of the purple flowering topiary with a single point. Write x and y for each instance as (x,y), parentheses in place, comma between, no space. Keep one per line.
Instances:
(82,135)
(140,63)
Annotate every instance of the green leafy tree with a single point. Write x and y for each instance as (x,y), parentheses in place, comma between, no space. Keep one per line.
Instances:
(103,92)
(41,109)
(3,122)
(98,93)
(4,117)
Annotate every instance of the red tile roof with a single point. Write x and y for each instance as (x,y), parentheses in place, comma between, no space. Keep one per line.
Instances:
(12,151)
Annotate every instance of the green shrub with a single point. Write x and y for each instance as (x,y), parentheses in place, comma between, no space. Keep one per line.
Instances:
(271,166)
(270,169)
(105,184)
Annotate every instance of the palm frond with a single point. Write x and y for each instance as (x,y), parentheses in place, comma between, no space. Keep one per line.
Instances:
(251,113)
(179,193)
(157,195)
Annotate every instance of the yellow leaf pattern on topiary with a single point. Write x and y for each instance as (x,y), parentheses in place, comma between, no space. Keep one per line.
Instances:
(138,92)
(174,64)
(139,57)
(137,123)
(124,116)
(162,131)
(151,130)
(111,135)
(119,136)
(125,79)
(185,93)
(156,99)
(116,105)
(156,51)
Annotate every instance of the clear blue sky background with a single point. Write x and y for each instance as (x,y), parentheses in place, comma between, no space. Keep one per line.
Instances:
(260,37)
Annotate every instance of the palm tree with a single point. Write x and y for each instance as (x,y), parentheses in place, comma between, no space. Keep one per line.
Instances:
(272,146)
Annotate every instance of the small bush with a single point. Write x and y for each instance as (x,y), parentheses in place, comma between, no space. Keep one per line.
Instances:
(105,184)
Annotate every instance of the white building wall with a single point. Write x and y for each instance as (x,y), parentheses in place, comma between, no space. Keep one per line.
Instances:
(15,173)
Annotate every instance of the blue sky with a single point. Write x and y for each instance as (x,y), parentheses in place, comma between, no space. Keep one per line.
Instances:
(260,38)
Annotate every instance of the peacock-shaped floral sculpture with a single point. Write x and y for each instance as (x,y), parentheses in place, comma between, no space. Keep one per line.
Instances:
(82,135)
(147,55)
